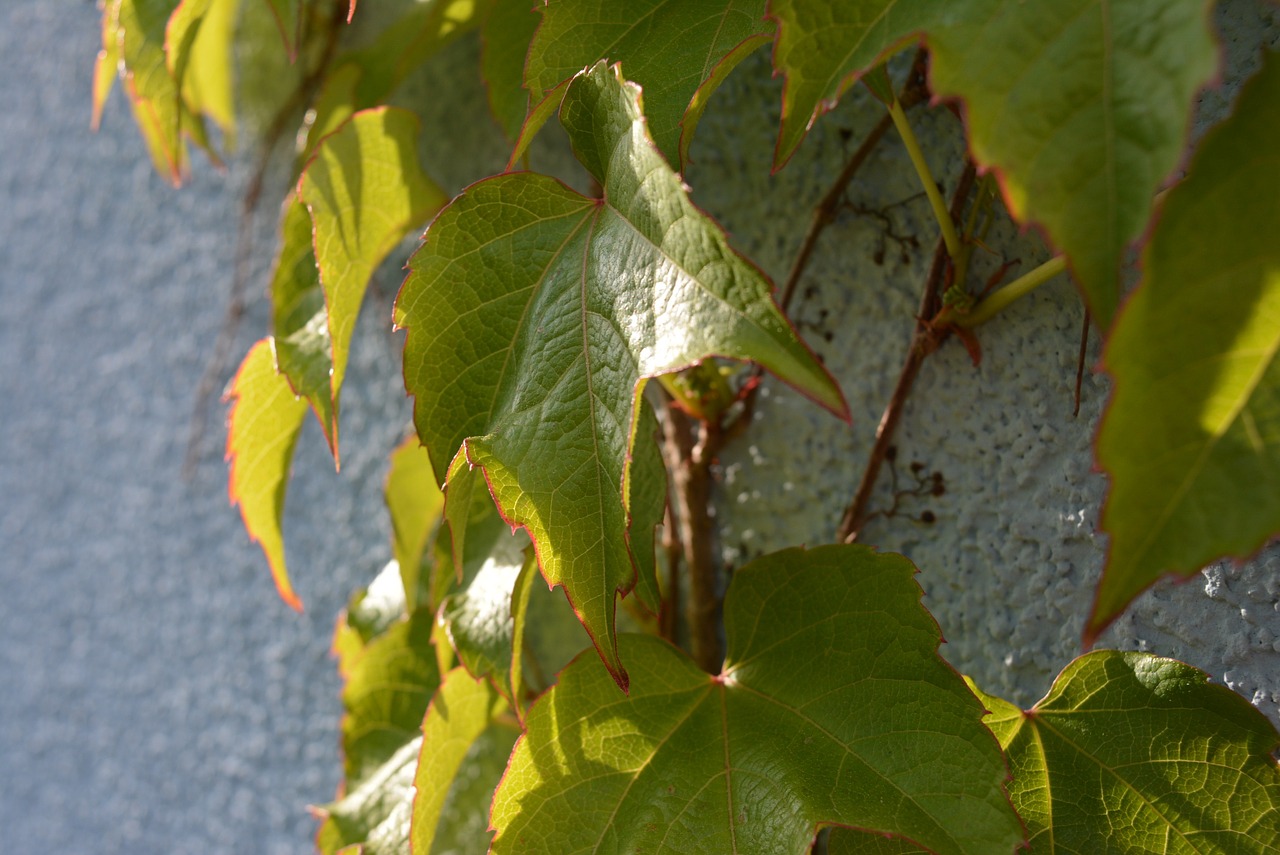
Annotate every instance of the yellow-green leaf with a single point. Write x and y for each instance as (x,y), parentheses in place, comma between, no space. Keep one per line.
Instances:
(1191,438)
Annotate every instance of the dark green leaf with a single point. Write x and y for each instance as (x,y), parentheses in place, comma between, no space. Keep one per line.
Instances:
(261,432)
(846,841)
(1134,753)
(1082,106)
(833,707)
(1192,435)
(288,15)
(534,315)
(507,33)
(670,47)
(645,494)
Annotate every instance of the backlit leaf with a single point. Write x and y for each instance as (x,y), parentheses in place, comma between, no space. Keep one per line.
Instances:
(1082,106)
(460,714)
(415,502)
(199,53)
(365,191)
(534,315)
(1192,435)
(833,707)
(1134,753)
(261,433)
(671,48)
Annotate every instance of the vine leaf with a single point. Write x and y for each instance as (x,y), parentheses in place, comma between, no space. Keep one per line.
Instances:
(671,48)
(845,841)
(1082,108)
(262,429)
(369,613)
(478,617)
(535,314)
(833,708)
(507,32)
(824,47)
(198,49)
(366,77)
(386,696)
(365,191)
(459,721)
(164,118)
(1131,752)
(415,503)
(1191,438)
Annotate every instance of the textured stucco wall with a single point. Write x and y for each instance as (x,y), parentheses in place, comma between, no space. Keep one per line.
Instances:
(158,698)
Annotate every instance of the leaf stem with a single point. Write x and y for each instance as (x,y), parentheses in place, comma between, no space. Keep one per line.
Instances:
(924,341)
(999,300)
(945,220)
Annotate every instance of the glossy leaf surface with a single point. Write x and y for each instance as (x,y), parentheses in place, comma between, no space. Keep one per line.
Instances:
(365,191)
(671,48)
(534,313)
(1135,753)
(833,707)
(261,432)
(1192,435)
(1082,107)
(824,46)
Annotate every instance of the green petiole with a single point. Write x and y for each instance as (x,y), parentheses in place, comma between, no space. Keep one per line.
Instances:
(1015,290)
(939,205)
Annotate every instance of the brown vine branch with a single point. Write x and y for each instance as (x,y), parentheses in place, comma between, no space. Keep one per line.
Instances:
(244,241)
(914,91)
(1084,351)
(924,340)
(689,448)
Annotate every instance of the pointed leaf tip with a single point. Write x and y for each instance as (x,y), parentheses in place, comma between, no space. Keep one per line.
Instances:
(261,433)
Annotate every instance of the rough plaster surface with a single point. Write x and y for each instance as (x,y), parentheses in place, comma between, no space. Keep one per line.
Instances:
(158,697)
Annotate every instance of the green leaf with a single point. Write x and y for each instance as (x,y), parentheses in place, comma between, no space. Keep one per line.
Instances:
(833,707)
(369,613)
(366,77)
(415,502)
(478,616)
(1191,438)
(645,494)
(1130,752)
(507,33)
(107,66)
(386,697)
(288,15)
(845,841)
(365,191)
(671,48)
(303,351)
(1083,107)
(261,432)
(163,117)
(534,315)
(825,46)
(199,53)
(461,713)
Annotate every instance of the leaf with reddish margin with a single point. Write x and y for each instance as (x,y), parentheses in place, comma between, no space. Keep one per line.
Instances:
(365,192)
(1191,438)
(674,49)
(534,316)
(288,15)
(833,708)
(1082,107)
(1130,752)
(506,36)
(261,433)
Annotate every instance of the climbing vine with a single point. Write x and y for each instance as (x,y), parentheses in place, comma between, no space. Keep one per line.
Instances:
(579,356)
